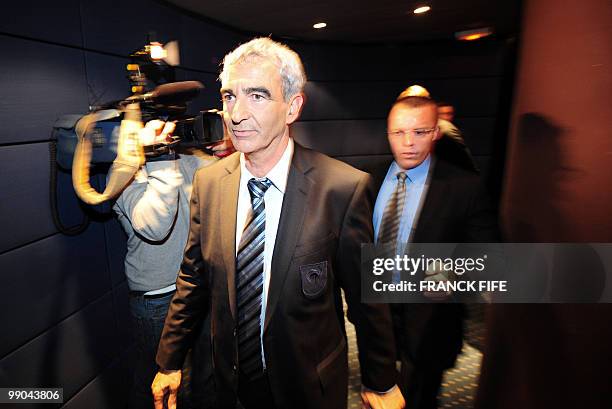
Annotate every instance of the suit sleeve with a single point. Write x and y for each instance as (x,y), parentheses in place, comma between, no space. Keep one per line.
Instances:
(187,306)
(372,322)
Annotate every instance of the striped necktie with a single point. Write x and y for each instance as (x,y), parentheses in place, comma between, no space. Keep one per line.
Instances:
(389,227)
(249,282)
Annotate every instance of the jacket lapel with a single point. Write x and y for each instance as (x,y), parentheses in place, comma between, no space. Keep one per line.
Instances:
(436,192)
(289,227)
(229,204)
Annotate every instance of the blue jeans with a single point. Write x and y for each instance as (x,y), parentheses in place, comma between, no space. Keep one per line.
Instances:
(148,316)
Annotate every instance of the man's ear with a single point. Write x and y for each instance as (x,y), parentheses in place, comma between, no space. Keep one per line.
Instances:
(437,134)
(295,107)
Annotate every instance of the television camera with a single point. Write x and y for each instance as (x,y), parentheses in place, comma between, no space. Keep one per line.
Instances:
(108,134)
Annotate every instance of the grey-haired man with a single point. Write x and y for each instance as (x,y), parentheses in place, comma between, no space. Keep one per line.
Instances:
(275,234)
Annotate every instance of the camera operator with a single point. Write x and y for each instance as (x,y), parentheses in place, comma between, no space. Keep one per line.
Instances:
(154,212)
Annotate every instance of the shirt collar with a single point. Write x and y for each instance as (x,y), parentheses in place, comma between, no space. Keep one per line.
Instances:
(416,175)
(278,174)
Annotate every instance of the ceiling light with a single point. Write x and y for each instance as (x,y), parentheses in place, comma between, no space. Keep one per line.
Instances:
(422,9)
(471,35)
(320,25)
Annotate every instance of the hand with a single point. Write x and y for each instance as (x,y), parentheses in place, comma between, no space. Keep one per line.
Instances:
(438,277)
(388,400)
(166,383)
(222,148)
(156,131)
(225,146)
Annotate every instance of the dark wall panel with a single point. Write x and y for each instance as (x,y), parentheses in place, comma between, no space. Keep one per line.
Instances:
(452,60)
(123,316)
(24,208)
(116,243)
(106,78)
(479,134)
(367,100)
(69,355)
(355,137)
(368,163)
(477,96)
(484,164)
(39,83)
(203,45)
(109,390)
(349,100)
(49,280)
(121,27)
(399,63)
(57,21)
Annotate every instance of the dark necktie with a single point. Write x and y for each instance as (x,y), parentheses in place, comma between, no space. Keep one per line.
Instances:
(389,226)
(249,282)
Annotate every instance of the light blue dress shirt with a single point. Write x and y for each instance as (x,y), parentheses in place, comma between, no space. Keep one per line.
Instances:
(415,187)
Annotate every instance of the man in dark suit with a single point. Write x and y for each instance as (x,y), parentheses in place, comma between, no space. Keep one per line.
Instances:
(275,234)
(424,199)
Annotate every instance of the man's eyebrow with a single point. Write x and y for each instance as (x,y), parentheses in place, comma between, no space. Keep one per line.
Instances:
(226,90)
(260,90)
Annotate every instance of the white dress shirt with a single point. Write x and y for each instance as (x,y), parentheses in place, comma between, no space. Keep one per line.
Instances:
(273,200)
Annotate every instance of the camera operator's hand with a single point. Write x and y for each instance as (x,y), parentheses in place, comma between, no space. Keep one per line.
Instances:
(222,148)
(155,132)
(225,146)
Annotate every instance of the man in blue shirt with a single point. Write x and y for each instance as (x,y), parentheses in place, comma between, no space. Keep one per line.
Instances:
(451,145)
(425,199)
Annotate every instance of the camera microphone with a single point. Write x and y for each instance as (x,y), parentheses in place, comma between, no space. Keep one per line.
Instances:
(169,94)
(172,93)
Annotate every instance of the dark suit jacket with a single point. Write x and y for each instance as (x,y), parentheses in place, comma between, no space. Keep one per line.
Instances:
(326,215)
(455,210)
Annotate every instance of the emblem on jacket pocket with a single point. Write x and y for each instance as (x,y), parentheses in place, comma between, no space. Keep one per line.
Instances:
(314,279)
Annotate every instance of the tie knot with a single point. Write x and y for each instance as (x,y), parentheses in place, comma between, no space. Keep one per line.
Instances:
(257,188)
(401,177)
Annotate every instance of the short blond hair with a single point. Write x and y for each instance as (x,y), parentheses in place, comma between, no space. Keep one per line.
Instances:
(414,91)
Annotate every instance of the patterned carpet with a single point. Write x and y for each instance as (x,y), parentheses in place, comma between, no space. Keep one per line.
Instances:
(459,384)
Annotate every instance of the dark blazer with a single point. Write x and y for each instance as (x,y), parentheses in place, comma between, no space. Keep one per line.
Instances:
(455,210)
(326,215)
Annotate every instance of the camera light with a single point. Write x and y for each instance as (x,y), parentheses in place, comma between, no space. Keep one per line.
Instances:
(157,52)
(319,25)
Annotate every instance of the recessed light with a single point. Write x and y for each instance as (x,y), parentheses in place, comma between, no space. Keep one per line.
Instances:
(319,25)
(422,9)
